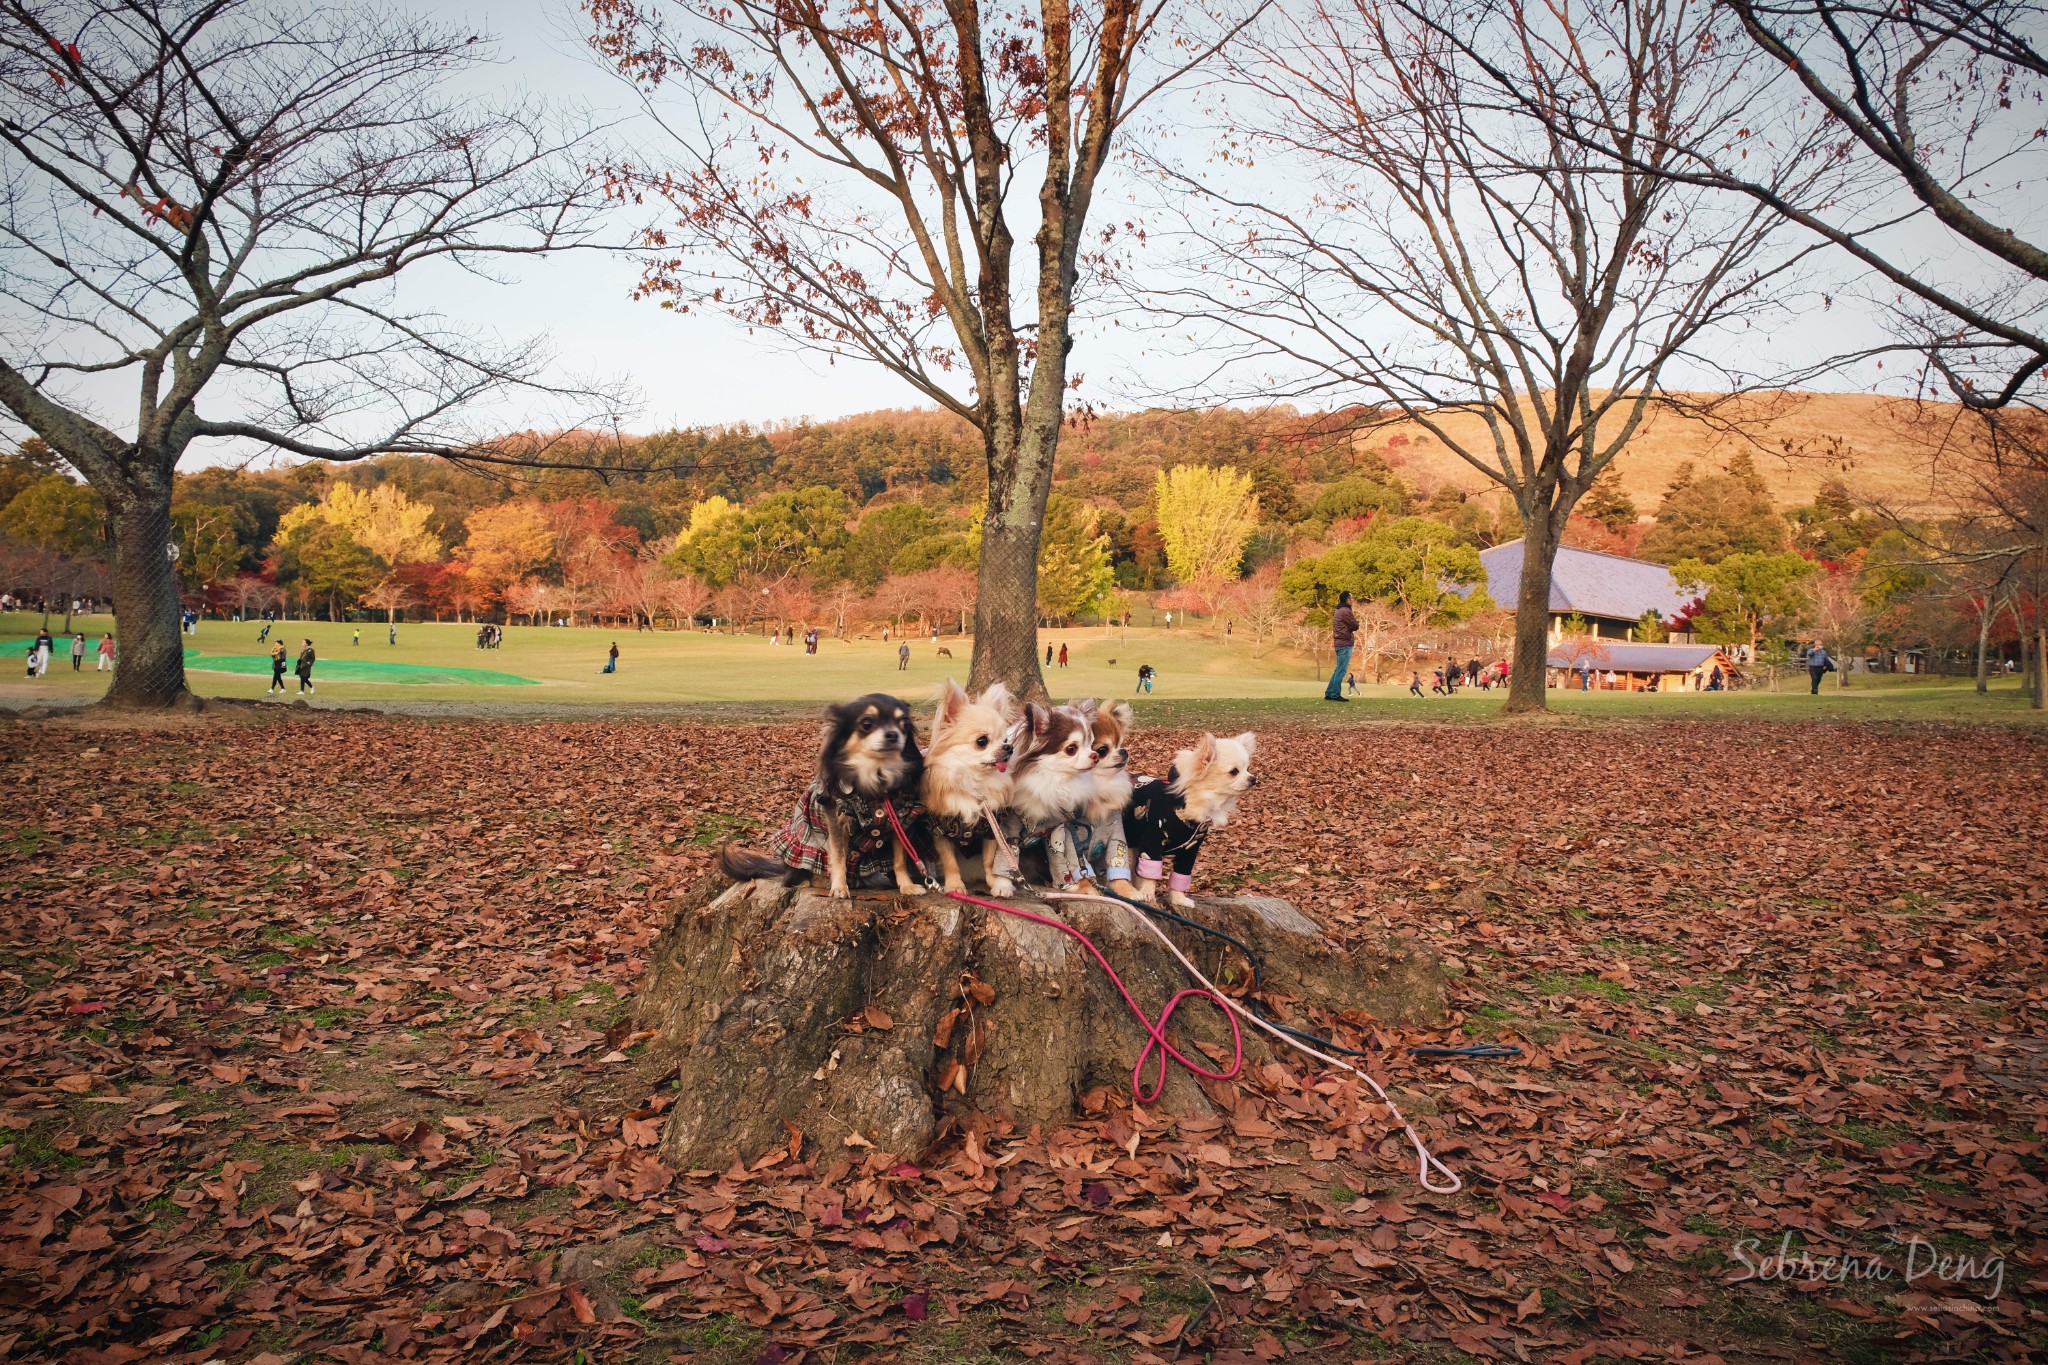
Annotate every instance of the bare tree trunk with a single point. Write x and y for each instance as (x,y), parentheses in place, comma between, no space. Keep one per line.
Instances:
(1983,644)
(786,1011)
(1526,691)
(1006,603)
(149,672)
(2041,666)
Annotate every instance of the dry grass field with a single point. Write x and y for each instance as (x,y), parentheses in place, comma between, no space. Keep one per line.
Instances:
(1880,447)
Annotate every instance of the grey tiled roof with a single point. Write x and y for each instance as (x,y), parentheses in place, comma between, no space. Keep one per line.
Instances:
(1593,584)
(1624,657)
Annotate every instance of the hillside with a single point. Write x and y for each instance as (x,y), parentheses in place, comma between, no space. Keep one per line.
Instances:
(1877,446)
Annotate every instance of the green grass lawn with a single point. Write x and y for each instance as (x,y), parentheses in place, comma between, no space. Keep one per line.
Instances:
(1201,679)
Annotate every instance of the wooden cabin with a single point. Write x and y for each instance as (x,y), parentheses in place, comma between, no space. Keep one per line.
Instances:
(1624,666)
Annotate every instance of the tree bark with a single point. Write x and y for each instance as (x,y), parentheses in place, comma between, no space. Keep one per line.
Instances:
(149,669)
(2041,668)
(1526,690)
(1006,600)
(783,1010)
(1983,645)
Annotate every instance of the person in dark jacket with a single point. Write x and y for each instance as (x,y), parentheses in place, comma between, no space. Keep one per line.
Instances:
(1818,665)
(305,668)
(1343,633)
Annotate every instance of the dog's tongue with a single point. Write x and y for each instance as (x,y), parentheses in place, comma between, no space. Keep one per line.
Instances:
(1002,765)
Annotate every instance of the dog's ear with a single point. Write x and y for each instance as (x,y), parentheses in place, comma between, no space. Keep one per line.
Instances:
(1085,708)
(997,698)
(951,702)
(1037,719)
(1122,713)
(1205,754)
(1250,742)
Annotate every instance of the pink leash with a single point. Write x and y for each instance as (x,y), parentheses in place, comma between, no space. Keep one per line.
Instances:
(1426,1161)
(1156,1044)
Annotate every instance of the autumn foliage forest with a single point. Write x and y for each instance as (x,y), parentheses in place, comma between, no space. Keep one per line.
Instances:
(843,525)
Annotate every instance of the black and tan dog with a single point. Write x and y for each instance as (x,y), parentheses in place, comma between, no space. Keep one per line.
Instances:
(839,829)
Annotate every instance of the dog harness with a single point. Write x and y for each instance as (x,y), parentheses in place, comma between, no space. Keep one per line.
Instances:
(1074,850)
(958,829)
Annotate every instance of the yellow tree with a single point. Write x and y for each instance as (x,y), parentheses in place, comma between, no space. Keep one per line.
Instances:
(507,542)
(1207,514)
(384,521)
(381,520)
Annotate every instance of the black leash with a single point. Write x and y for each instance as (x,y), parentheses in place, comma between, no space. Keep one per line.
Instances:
(1444,1054)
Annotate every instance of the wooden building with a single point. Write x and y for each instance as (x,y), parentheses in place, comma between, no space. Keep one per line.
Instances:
(1610,592)
(1627,666)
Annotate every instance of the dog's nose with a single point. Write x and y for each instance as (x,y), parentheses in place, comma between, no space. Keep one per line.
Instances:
(892,737)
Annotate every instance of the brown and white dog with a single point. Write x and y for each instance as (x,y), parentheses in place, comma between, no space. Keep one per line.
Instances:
(1049,776)
(1111,729)
(966,774)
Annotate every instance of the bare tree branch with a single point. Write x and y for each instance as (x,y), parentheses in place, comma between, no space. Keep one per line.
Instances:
(215,199)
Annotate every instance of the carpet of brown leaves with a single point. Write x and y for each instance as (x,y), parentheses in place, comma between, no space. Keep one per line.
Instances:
(318,1047)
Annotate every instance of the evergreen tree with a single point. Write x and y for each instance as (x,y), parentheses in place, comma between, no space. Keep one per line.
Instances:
(1608,503)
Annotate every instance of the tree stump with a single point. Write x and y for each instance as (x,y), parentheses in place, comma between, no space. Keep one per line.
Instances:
(866,1021)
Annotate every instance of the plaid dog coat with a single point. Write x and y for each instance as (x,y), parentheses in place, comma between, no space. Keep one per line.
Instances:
(802,842)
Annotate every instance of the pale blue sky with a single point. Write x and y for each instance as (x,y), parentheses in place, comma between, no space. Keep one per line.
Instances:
(692,370)
(702,369)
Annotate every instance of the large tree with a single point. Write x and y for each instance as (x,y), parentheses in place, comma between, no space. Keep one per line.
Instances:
(1418,568)
(209,202)
(1416,240)
(58,523)
(850,177)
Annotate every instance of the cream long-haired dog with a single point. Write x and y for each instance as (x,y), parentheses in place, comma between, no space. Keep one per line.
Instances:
(966,774)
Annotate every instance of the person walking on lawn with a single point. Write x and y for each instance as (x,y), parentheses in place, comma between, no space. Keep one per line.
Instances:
(106,653)
(78,652)
(276,668)
(305,670)
(1343,632)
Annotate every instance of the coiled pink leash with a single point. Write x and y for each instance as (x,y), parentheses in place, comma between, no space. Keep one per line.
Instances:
(1156,1044)
(1426,1161)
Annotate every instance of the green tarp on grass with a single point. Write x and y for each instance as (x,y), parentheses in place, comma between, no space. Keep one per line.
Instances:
(356,670)
(258,665)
